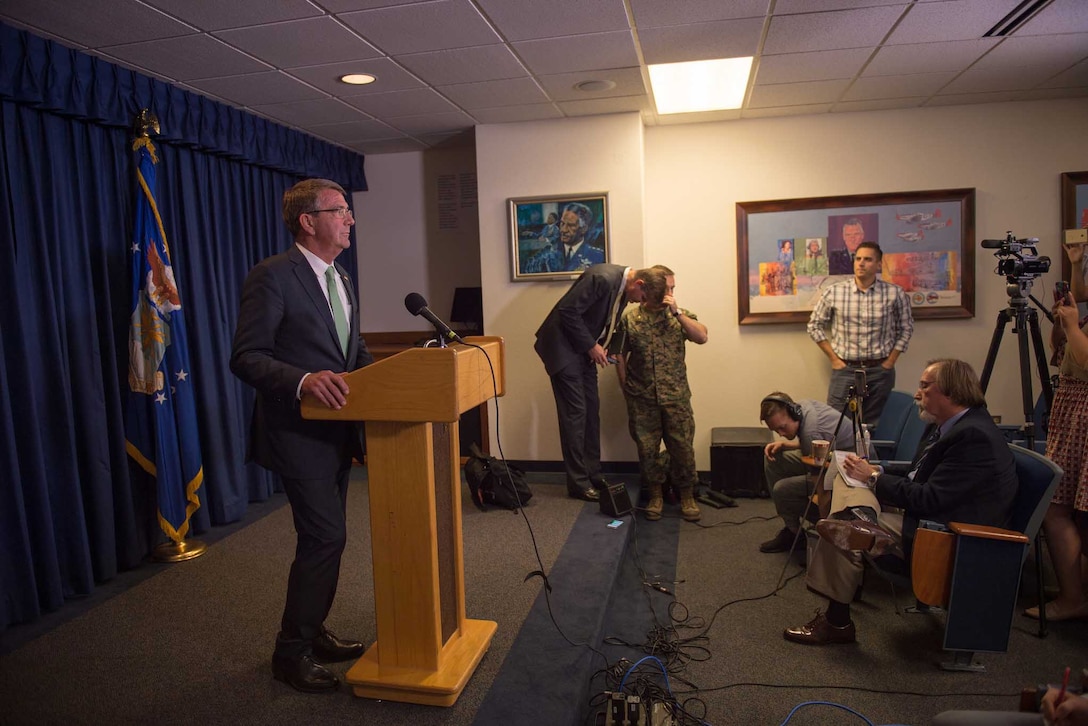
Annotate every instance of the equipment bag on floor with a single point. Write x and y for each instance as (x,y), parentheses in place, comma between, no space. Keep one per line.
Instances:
(491,482)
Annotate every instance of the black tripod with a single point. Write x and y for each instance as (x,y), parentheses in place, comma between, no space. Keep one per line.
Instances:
(1026,319)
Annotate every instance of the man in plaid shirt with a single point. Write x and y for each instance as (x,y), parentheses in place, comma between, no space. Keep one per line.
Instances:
(871,324)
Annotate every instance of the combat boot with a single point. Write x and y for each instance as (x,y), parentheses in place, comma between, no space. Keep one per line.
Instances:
(688,508)
(656,503)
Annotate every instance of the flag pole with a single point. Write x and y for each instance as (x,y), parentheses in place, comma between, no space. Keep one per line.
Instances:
(162,436)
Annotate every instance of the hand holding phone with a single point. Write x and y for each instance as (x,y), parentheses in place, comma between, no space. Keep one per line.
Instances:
(1061,289)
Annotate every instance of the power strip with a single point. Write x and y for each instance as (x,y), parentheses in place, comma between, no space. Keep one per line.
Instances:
(624,710)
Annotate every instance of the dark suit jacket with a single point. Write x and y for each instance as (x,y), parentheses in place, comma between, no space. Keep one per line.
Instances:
(285,330)
(571,328)
(969,475)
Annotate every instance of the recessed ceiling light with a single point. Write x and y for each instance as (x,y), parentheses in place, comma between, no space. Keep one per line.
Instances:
(358,79)
(592,86)
(709,85)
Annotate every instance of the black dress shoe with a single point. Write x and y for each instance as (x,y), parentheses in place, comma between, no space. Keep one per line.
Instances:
(784,541)
(330,649)
(588,495)
(305,675)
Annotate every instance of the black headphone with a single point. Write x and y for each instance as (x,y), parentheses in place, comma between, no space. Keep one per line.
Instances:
(792,408)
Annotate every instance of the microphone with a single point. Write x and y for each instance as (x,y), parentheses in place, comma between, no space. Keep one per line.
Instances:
(993,244)
(417,305)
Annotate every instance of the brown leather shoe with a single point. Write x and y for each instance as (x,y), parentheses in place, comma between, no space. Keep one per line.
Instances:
(854,534)
(819,631)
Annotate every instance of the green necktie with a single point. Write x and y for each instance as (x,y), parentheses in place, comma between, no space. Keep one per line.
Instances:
(338,316)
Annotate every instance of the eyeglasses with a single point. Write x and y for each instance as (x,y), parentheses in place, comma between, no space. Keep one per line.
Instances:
(340,212)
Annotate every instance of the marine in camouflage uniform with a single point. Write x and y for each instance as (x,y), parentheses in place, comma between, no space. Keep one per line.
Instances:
(650,346)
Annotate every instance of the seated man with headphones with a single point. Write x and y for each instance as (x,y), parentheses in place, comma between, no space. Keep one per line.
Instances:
(799,423)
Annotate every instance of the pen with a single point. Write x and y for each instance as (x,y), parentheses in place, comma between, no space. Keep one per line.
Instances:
(1065,684)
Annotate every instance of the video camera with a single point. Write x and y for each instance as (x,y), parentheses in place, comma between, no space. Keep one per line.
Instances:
(1018,258)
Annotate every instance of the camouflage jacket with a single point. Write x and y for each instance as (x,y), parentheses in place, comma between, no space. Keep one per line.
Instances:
(654,345)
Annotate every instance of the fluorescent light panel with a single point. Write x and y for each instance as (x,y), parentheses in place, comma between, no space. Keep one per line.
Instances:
(709,85)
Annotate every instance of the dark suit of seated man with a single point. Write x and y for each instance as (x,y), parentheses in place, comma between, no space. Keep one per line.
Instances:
(964,472)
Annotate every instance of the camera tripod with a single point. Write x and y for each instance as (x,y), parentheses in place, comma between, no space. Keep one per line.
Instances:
(1026,319)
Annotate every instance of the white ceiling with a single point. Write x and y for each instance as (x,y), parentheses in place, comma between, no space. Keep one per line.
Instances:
(444,66)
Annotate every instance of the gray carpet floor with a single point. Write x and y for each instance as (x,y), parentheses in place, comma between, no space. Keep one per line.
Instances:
(191,644)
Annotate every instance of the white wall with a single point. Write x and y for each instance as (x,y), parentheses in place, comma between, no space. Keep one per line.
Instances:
(573,156)
(693,175)
(402,246)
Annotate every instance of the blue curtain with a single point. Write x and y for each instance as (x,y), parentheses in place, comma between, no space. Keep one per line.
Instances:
(73,509)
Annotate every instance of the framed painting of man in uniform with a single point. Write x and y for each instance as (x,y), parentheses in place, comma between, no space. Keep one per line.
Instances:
(558,237)
(1074,215)
(927,240)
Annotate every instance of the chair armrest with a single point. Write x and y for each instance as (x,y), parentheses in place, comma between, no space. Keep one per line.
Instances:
(883,447)
(984,532)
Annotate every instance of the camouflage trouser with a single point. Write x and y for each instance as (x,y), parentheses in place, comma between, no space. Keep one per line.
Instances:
(651,423)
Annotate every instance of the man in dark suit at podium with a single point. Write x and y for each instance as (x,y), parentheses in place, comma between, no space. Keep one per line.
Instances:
(572,343)
(298,332)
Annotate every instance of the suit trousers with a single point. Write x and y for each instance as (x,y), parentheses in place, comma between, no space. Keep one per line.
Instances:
(833,572)
(579,407)
(318,507)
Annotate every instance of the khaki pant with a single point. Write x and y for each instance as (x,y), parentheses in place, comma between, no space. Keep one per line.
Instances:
(833,572)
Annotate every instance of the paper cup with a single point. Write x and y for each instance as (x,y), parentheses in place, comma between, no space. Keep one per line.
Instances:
(820,449)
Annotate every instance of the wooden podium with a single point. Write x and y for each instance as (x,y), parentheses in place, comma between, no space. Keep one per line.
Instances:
(426,649)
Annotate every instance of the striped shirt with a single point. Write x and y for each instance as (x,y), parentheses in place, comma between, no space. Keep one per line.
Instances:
(865,324)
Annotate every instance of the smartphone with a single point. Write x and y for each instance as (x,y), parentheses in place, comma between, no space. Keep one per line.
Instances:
(1061,289)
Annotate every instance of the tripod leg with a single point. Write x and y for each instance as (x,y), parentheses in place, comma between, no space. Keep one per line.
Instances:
(1003,318)
(1025,376)
(1041,363)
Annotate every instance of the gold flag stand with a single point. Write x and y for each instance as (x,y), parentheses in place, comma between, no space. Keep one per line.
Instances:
(178,551)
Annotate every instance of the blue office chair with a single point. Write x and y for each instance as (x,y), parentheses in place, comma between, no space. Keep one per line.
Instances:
(981,566)
(897,411)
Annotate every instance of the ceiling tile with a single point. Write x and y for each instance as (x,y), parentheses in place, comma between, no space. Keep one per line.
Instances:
(578,52)
(878,104)
(803,109)
(792,7)
(950,20)
(561,87)
(491,94)
(386,146)
(353,131)
(432,123)
(795,94)
(97,22)
(219,15)
(401,103)
(391,77)
(1047,94)
(1075,76)
(1050,54)
(680,43)
(187,58)
(594,106)
(989,80)
(953,55)
(344,6)
(300,42)
(252,89)
(816,66)
(916,84)
(464,65)
(961,99)
(312,113)
(526,19)
(424,27)
(511,114)
(659,13)
(1061,16)
(829,31)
